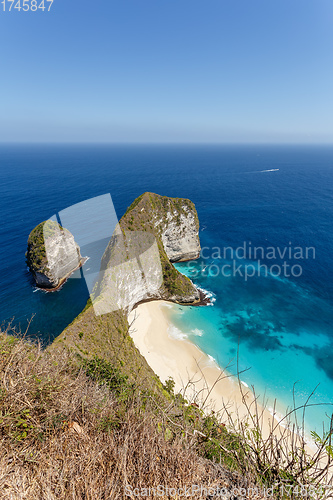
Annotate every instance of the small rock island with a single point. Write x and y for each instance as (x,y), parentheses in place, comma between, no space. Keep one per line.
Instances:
(52,255)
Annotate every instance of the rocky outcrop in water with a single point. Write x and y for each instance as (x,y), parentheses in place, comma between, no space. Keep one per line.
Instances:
(136,266)
(52,254)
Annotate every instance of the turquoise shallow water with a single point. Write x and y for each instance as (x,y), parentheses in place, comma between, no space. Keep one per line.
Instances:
(266,195)
(268,332)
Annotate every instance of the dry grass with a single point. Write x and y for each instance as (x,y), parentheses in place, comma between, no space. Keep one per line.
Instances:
(64,436)
(72,429)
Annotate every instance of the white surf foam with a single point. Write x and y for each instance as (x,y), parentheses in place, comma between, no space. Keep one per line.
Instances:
(168,306)
(176,333)
(212,360)
(207,293)
(197,332)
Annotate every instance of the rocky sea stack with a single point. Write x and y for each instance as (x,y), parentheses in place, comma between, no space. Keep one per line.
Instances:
(137,264)
(52,254)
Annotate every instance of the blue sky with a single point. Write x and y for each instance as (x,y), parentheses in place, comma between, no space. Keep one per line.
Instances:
(168,71)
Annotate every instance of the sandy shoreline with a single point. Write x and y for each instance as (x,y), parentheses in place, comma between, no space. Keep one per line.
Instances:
(195,374)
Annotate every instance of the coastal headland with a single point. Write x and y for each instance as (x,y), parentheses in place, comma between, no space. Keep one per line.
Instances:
(127,322)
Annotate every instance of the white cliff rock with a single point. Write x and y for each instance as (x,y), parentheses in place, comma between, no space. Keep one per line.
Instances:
(180,236)
(131,272)
(52,254)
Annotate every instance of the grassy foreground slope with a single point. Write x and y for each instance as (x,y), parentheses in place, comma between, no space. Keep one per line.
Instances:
(81,429)
(72,430)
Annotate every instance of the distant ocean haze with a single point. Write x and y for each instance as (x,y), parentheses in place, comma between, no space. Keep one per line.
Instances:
(269,197)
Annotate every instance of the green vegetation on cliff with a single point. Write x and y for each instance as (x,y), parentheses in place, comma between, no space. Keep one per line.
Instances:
(36,254)
(144,214)
(106,337)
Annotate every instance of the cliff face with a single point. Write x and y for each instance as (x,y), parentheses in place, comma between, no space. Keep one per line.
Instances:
(136,264)
(179,233)
(173,220)
(52,254)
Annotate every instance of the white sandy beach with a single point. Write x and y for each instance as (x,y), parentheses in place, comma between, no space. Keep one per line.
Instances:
(195,374)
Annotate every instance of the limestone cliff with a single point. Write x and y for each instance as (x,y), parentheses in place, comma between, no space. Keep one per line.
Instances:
(52,254)
(173,220)
(136,264)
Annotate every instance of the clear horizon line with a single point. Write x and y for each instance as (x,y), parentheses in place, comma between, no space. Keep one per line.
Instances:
(166,143)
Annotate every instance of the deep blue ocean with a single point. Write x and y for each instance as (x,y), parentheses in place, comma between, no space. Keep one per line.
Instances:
(271,196)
